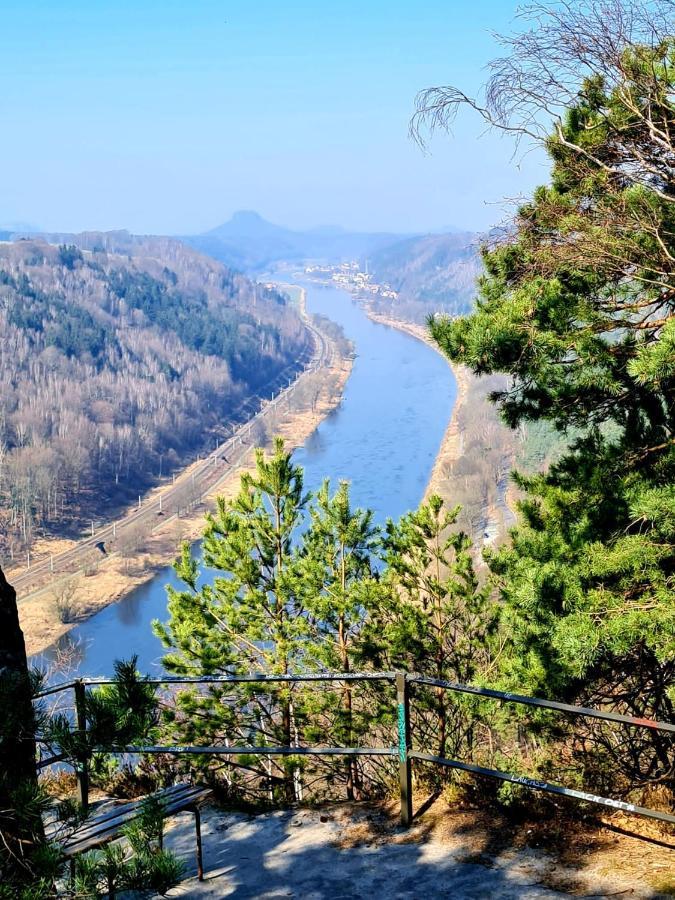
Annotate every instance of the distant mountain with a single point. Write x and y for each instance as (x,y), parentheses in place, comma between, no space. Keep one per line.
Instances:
(247,223)
(432,273)
(251,243)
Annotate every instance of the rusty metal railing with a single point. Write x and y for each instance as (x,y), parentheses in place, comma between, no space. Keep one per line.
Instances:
(403,752)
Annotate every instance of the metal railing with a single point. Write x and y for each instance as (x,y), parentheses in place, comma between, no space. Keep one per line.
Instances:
(404,752)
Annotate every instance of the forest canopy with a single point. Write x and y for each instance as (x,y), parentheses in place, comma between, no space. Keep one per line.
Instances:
(119,355)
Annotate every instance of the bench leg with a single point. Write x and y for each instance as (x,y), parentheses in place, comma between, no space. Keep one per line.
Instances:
(198,833)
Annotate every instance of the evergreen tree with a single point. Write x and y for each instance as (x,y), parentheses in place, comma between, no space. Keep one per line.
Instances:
(251,619)
(434,618)
(577,305)
(336,572)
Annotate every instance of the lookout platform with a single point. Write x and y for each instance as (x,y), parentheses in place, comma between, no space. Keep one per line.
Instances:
(358,852)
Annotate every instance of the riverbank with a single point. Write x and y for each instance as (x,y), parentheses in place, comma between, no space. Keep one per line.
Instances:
(474,430)
(79,596)
(451,446)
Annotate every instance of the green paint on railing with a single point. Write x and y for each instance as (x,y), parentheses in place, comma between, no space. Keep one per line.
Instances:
(402,744)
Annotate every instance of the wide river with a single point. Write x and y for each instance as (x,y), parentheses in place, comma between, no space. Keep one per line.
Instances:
(383,438)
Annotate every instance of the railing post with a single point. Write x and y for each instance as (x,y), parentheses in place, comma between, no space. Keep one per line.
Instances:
(403,718)
(82,771)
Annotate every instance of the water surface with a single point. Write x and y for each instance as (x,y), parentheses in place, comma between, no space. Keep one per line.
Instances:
(383,438)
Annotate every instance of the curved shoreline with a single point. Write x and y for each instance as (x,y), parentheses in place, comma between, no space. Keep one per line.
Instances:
(450,449)
(116,576)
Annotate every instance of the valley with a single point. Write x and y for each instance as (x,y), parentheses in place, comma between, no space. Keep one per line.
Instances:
(122,360)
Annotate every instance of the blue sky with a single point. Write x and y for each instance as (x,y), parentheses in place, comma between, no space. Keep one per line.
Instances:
(166,117)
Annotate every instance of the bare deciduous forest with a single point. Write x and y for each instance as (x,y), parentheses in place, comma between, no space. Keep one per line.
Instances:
(120,357)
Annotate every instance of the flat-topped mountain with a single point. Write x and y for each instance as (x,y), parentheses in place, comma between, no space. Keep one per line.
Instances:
(249,242)
(247,223)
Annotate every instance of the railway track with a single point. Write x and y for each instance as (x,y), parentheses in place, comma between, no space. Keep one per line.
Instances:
(166,505)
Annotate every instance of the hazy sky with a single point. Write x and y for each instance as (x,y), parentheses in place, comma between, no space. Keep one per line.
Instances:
(167,116)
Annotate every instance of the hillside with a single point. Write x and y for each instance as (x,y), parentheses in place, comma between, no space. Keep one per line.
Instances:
(436,272)
(249,242)
(120,357)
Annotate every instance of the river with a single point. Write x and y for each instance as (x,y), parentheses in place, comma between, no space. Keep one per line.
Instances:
(383,438)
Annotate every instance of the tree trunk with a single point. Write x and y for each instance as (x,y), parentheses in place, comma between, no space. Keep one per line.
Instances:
(17,745)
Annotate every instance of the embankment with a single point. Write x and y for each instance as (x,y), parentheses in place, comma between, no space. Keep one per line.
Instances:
(48,613)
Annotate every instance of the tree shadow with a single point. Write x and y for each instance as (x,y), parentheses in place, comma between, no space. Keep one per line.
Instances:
(359,851)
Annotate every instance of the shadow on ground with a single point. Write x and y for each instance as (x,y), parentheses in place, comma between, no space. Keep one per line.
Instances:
(358,853)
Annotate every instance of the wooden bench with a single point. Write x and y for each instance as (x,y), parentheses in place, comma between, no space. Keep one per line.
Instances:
(100,828)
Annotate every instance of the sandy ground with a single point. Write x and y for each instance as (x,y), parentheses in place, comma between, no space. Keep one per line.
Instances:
(114,577)
(347,852)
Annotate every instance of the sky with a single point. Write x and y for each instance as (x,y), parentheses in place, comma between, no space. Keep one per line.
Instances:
(166,117)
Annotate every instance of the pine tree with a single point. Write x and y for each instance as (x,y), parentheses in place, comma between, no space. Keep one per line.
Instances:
(251,619)
(577,306)
(434,618)
(336,571)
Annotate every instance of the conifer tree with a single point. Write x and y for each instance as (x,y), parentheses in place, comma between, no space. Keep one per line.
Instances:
(336,572)
(434,618)
(250,619)
(577,306)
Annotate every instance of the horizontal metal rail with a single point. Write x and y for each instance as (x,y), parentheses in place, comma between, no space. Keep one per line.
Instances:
(403,751)
(254,678)
(43,763)
(63,686)
(186,750)
(229,679)
(536,785)
(544,704)
(180,749)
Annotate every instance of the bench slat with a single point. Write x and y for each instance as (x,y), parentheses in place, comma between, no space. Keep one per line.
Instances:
(109,825)
(118,822)
(72,848)
(120,809)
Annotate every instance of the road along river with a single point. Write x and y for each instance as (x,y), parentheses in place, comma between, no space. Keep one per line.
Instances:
(383,438)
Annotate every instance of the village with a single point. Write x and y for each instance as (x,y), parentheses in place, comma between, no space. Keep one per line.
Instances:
(348,275)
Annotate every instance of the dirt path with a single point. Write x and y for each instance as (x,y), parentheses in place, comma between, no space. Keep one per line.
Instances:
(358,852)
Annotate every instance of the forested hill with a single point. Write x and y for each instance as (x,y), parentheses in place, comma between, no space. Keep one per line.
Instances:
(432,273)
(118,356)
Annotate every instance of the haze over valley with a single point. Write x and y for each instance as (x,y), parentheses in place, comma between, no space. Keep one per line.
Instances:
(337,449)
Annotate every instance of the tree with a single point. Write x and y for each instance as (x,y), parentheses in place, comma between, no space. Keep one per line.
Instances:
(250,619)
(65,595)
(119,714)
(21,804)
(577,306)
(116,715)
(335,571)
(434,618)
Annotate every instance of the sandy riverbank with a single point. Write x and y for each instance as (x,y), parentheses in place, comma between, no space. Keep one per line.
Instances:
(115,576)
(451,445)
